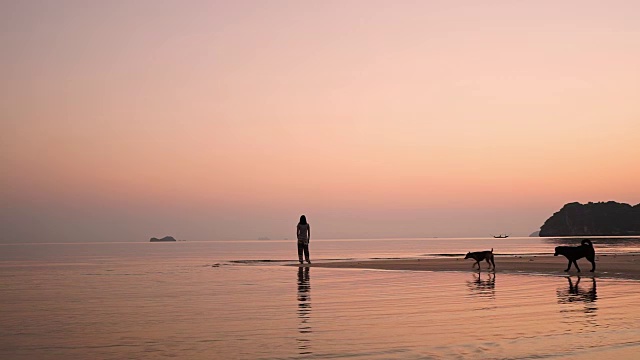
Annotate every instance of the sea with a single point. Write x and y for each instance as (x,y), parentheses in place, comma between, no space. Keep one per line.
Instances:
(250,300)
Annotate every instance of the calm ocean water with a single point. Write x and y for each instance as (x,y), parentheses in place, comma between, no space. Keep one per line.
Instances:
(241,300)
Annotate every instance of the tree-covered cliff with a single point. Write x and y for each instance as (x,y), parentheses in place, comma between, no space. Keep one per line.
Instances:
(593,219)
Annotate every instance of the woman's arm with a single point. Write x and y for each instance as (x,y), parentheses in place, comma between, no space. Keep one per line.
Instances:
(309,232)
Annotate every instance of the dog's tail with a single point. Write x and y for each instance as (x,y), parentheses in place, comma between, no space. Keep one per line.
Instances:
(492,250)
(586,242)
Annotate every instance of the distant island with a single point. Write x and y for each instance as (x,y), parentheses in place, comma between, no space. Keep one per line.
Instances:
(166,238)
(594,219)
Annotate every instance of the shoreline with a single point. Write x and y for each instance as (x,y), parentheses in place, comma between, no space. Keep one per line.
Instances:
(610,266)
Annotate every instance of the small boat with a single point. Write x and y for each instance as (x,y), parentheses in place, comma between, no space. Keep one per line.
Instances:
(501,236)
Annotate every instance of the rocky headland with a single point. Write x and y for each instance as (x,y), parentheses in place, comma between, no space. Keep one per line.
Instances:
(594,219)
(166,238)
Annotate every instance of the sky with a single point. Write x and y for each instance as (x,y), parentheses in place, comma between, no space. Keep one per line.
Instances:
(224,120)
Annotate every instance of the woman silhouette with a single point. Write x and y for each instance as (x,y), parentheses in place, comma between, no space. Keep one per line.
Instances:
(304,234)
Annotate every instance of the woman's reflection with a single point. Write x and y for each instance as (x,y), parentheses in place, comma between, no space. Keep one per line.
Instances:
(304,310)
(576,294)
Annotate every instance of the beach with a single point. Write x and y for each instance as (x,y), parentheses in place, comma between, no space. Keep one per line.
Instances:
(614,266)
(216,300)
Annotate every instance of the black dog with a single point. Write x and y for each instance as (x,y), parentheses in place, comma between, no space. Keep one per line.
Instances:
(481,255)
(573,253)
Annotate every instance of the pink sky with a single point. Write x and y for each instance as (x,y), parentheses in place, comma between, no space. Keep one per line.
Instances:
(211,120)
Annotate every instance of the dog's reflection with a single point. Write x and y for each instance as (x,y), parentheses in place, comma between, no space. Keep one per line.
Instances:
(484,286)
(304,310)
(577,294)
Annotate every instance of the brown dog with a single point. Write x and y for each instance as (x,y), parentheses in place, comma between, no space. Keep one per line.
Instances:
(481,255)
(573,253)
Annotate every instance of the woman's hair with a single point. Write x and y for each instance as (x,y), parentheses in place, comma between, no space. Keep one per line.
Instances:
(303,220)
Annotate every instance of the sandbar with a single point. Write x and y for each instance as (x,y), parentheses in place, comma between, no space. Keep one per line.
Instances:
(625,266)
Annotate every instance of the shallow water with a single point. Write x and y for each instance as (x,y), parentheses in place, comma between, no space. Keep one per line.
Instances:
(177,301)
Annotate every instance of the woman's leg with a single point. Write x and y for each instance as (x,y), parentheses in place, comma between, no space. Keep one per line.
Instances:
(306,253)
(300,250)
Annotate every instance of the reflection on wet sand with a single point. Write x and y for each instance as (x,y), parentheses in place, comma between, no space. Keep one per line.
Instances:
(483,286)
(576,294)
(304,311)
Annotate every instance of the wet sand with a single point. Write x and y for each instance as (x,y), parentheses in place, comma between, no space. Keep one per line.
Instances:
(614,266)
